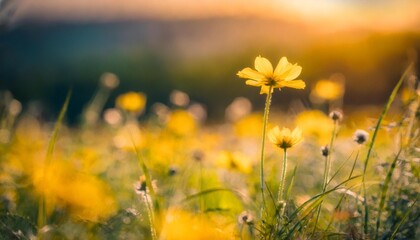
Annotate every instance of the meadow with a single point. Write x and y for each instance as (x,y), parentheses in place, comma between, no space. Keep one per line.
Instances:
(322,171)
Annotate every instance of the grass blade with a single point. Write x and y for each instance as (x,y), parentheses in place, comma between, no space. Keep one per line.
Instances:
(403,220)
(372,142)
(42,215)
(384,192)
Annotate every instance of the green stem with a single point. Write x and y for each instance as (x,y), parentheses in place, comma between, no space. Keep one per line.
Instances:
(265,120)
(283,176)
(327,170)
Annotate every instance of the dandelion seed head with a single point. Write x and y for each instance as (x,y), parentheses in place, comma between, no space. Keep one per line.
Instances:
(325,151)
(360,136)
(336,115)
(245,218)
(172,171)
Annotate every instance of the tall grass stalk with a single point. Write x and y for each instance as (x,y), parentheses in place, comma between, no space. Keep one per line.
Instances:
(42,215)
(264,132)
(374,135)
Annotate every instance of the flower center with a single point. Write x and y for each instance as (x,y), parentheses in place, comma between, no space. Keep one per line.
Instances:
(269,82)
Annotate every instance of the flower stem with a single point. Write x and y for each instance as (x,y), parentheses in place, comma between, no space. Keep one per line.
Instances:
(283,176)
(265,120)
(327,170)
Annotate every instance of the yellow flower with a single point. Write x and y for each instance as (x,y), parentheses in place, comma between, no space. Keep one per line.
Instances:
(328,90)
(283,76)
(181,123)
(85,196)
(131,101)
(285,138)
(234,161)
(315,124)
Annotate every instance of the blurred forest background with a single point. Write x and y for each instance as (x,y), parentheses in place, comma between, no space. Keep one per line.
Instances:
(197,47)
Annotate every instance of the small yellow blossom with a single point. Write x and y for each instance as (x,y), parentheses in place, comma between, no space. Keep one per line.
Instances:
(285,138)
(235,161)
(315,124)
(132,102)
(264,76)
(181,123)
(328,90)
(249,126)
(85,196)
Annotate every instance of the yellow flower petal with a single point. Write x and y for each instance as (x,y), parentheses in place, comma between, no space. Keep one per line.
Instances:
(281,67)
(263,66)
(265,89)
(298,84)
(251,74)
(254,83)
(293,72)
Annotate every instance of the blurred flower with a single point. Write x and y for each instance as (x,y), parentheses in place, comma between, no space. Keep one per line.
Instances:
(198,111)
(285,138)
(239,108)
(235,161)
(316,124)
(249,126)
(336,115)
(15,107)
(132,102)
(245,218)
(360,136)
(181,123)
(129,137)
(182,225)
(264,76)
(179,98)
(329,89)
(161,110)
(109,80)
(112,116)
(85,196)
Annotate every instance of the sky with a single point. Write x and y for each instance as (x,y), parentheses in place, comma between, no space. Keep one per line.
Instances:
(383,15)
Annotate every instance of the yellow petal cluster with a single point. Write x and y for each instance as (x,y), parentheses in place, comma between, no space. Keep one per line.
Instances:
(328,90)
(181,123)
(131,102)
(285,138)
(85,196)
(264,76)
